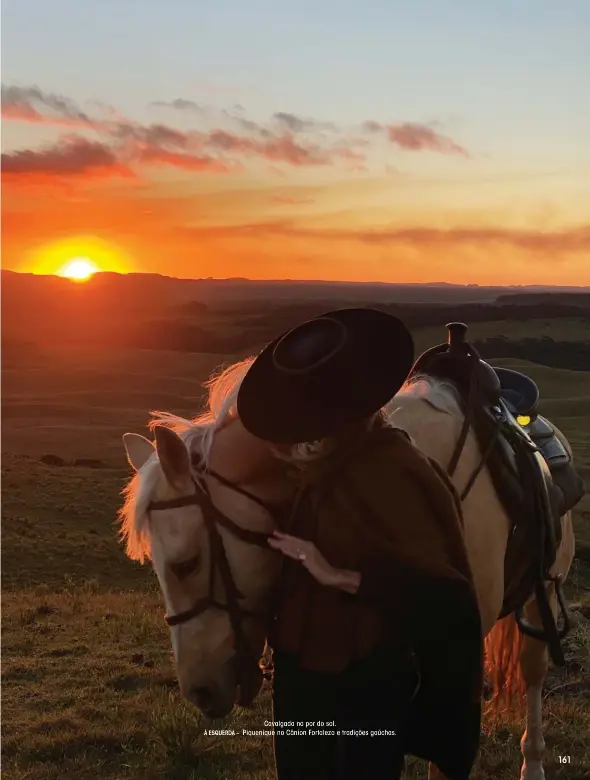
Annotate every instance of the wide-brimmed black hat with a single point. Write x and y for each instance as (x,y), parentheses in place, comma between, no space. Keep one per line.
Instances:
(332,370)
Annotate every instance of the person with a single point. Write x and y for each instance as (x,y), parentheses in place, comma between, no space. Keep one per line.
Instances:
(376,635)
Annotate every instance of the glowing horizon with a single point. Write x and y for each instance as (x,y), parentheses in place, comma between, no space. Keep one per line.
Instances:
(78,269)
(297,171)
(430,283)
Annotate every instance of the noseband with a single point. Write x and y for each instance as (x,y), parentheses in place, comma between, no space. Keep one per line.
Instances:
(214,519)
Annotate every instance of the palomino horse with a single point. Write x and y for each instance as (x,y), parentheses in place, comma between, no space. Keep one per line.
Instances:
(181,512)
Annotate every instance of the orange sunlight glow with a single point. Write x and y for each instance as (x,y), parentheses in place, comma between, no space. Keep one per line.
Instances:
(78,269)
(79,258)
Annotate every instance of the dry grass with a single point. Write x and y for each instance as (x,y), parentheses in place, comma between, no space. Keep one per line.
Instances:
(88,681)
(89,692)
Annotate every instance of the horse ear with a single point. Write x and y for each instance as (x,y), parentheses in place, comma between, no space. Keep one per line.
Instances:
(138,449)
(173,456)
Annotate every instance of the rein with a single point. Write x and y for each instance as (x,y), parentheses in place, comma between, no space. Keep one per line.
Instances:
(219,563)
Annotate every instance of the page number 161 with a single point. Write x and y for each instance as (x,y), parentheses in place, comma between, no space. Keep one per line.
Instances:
(565,760)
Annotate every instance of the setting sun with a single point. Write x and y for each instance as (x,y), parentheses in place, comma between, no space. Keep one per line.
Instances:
(78,269)
(78,258)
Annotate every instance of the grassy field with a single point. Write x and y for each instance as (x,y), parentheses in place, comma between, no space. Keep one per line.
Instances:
(88,682)
(559,330)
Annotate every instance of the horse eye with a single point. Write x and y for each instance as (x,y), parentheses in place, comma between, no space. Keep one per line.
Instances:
(182,569)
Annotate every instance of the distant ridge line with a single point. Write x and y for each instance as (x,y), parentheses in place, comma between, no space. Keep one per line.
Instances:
(301,282)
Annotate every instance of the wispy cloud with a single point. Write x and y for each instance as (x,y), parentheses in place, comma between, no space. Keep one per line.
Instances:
(153,155)
(576,240)
(421,138)
(32,104)
(283,148)
(241,122)
(73,156)
(298,125)
(123,144)
(180,104)
(370,126)
(132,144)
(415,137)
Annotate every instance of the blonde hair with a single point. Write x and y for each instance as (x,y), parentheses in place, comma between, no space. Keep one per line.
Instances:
(311,452)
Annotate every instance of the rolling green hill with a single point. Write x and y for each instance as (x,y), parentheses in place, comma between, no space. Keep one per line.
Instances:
(88,681)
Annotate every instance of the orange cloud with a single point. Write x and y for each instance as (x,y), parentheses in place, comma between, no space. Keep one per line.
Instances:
(277,149)
(419,138)
(31,104)
(575,241)
(74,156)
(188,162)
(32,115)
(135,145)
(288,139)
(94,186)
(415,137)
(282,148)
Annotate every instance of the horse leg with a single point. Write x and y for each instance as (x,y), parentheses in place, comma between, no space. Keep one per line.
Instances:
(534,664)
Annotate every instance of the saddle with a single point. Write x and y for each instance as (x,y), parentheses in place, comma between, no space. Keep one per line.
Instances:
(530,468)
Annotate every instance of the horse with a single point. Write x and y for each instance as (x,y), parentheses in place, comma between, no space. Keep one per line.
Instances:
(191,521)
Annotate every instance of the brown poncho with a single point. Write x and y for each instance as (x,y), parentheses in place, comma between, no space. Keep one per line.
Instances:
(392,514)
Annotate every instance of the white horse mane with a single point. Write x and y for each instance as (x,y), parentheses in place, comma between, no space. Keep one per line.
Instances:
(198,436)
(440,393)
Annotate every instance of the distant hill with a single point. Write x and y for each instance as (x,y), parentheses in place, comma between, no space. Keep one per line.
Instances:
(577,298)
(140,289)
(224,316)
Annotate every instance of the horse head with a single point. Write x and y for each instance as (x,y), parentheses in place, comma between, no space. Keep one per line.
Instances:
(206,537)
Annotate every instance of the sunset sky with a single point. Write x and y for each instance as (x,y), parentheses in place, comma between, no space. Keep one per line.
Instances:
(437,140)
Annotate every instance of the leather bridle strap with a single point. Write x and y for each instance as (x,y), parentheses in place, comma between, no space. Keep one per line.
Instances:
(202,498)
(218,559)
(241,490)
(232,593)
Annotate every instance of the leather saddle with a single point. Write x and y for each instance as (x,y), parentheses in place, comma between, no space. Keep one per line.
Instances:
(531,469)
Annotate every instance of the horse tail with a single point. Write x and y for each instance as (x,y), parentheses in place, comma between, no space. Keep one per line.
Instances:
(506,687)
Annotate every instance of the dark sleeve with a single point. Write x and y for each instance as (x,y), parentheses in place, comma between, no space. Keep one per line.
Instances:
(439,616)
(426,604)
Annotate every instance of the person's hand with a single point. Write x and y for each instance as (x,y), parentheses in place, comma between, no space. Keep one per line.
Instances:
(308,555)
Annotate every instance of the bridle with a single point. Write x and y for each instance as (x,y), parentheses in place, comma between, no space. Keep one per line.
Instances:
(218,562)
